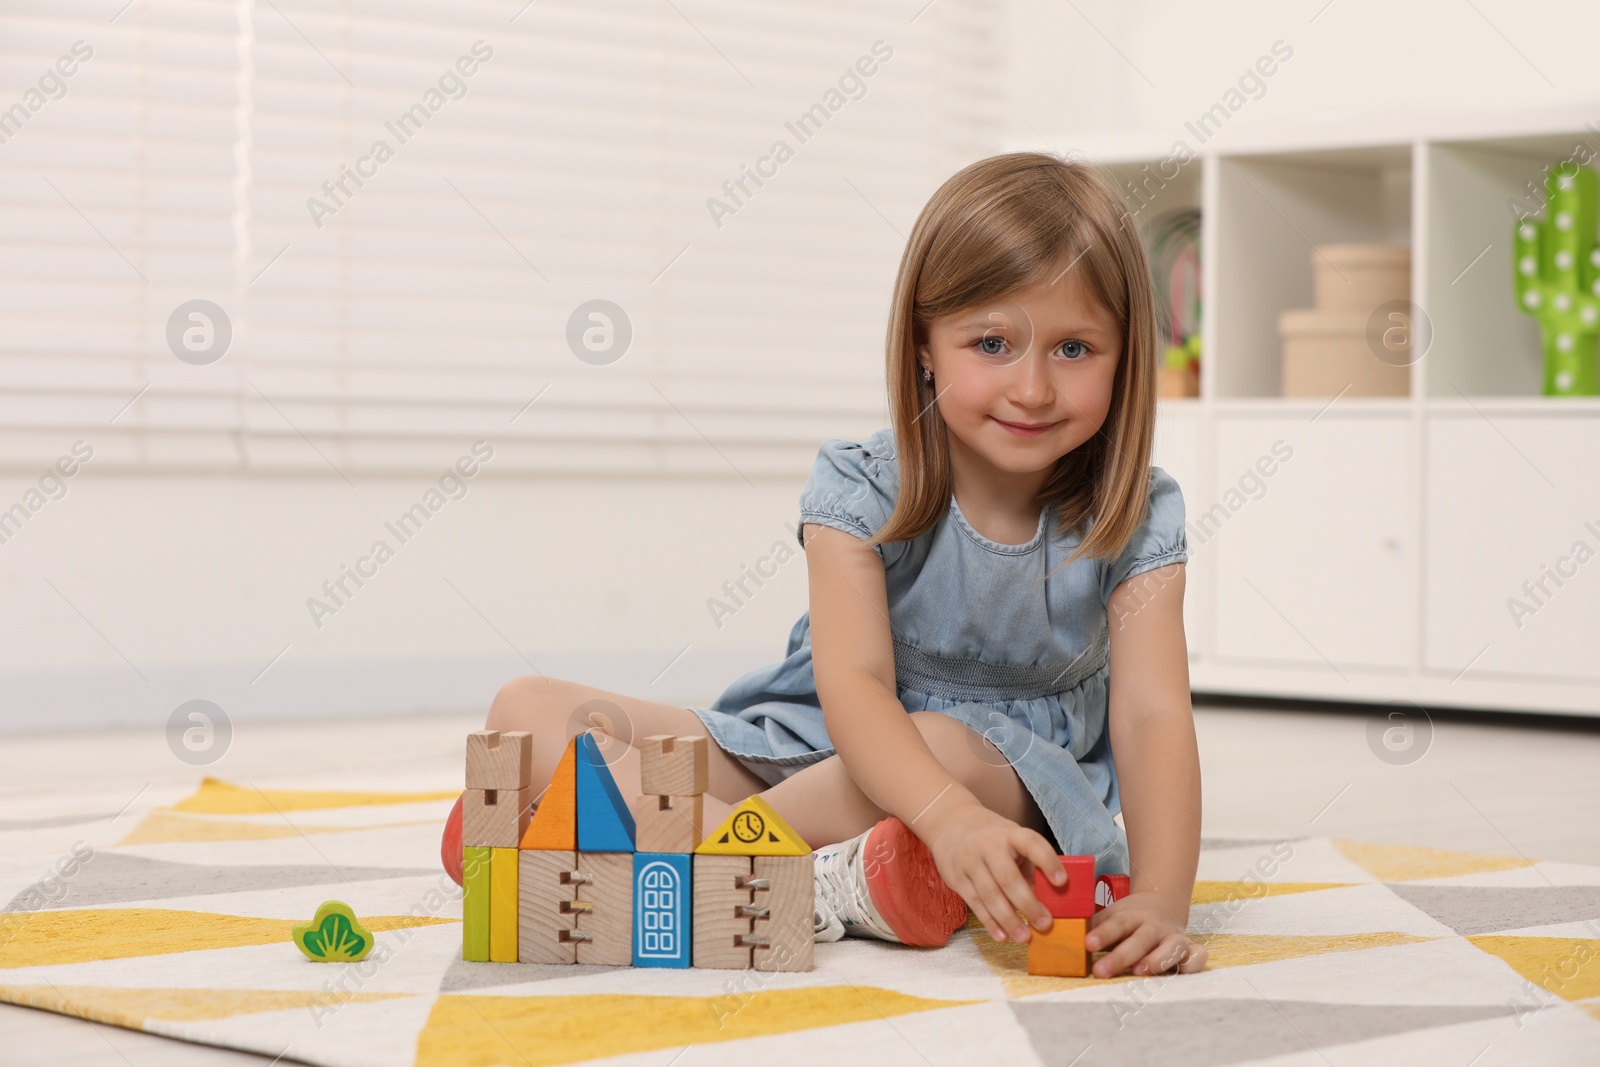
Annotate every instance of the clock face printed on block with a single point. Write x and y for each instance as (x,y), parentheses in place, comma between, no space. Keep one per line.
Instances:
(754,829)
(749,826)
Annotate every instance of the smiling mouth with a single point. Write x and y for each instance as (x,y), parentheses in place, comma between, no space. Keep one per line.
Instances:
(1027,426)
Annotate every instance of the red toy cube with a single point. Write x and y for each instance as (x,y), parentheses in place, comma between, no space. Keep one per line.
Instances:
(1075,900)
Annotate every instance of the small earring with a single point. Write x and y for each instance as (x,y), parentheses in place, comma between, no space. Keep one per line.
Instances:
(927,375)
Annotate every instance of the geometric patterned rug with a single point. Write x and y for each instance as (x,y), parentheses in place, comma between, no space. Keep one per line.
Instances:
(172,916)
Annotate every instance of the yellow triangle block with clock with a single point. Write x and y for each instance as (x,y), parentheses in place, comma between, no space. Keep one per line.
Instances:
(754,829)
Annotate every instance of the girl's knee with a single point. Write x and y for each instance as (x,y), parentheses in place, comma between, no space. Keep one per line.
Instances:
(951,740)
(525,703)
(933,724)
(969,756)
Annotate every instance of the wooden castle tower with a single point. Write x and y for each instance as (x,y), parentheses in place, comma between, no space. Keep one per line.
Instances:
(584,880)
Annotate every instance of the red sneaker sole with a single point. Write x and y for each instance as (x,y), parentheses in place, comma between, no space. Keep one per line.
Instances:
(906,887)
(450,852)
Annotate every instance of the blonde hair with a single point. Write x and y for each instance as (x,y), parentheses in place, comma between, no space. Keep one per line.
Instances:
(999,225)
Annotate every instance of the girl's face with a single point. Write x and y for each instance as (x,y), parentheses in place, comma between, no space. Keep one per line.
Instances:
(1025,380)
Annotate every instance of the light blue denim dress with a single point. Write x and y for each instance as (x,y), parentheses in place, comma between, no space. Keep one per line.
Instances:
(979,635)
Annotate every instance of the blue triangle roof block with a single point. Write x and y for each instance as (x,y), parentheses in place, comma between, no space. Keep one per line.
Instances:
(604,822)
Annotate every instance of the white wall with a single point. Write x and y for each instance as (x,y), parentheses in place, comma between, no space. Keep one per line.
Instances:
(371,349)
(1352,58)
(131,595)
(149,585)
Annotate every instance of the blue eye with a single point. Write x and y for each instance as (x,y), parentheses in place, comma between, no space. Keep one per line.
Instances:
(1074,349)
(983,343)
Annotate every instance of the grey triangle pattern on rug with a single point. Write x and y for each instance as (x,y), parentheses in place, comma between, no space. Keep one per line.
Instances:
(1209,843)
(1203,1033)
(115,878)
(463,976)
(49,822)
(1470,910)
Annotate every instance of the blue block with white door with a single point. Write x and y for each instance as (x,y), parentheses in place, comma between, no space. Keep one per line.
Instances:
(663,903)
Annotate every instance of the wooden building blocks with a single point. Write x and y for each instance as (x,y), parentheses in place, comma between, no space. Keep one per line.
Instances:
(603,908)
(753,912)
(1073,900)
(724,911)
(674,766)
(754,829)
(669,818)
(545,891)
(668,823)
(555,824)
(475,868)
(604,822)
(495,818)
(503,905)
(494,808)
(499,761)
(783,936)
(663,896)
(583,881)
(1059,952)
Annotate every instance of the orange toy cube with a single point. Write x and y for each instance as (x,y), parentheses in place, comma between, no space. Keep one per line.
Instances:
(1059,952)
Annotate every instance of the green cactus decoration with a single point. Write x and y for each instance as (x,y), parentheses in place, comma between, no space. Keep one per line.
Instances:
(334,935)
(1179,357)
(1556,273)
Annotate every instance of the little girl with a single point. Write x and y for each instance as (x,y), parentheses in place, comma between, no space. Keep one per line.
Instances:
(980,574)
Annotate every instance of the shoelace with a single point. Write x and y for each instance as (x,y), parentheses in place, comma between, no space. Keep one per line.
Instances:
(839,887)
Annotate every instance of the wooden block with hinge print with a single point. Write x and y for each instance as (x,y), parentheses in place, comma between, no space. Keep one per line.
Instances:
(544,925)
(724,904)
(603,923)
(783,932)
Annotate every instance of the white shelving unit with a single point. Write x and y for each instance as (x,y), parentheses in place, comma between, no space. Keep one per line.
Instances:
(1380,560)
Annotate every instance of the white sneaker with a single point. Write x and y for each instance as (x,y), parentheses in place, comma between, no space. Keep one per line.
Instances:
(824,923)
(883,884)
(843,904)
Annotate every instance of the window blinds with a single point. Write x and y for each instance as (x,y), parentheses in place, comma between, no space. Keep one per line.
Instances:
(415,224)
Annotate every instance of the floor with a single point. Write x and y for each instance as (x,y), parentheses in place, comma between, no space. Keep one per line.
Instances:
(1505,786)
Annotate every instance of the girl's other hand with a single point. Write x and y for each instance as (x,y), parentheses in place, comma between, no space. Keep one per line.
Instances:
(1148,937)
(990,861)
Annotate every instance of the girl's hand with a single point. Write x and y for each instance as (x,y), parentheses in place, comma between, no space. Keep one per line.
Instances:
(990,860)
(1148,936)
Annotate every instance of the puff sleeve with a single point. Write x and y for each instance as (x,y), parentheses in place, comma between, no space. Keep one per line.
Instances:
(853,487)
(1160,540)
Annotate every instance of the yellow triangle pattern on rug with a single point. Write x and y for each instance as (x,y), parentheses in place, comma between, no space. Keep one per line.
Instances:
(1217,892)
(58,937)
(165,826)
(130,1008)
(1404,863)
(1010,960)
(1241,950)
(216,797)
(480,1031)
(1569,967)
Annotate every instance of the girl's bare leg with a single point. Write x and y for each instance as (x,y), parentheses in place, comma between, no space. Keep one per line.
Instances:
(554,711)
(822,802)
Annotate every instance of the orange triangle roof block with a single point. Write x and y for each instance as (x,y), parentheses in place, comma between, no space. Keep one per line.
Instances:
(555,822)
